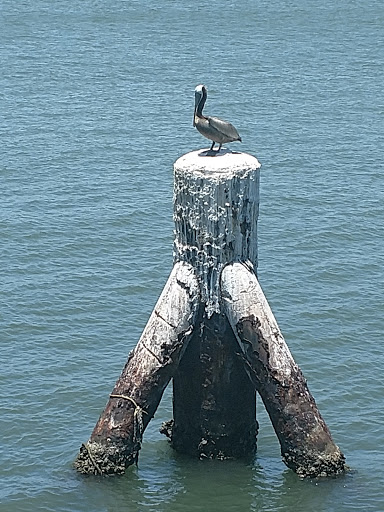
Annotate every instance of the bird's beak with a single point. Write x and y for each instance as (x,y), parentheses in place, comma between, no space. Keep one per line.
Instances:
(198,97)
(197,101)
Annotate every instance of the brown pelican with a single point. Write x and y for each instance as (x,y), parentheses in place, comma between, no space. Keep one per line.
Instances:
(213,128)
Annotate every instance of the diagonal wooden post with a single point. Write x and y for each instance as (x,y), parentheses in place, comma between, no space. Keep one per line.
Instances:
(306,443)
(116,439)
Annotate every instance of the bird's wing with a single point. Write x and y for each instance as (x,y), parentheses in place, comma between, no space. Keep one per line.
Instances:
(224,127)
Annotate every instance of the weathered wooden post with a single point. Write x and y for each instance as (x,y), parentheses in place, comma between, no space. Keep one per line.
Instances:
(306,443)
(216,205)
(213,332)
(116,439)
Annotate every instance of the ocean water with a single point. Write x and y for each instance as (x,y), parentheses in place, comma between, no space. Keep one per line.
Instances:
(96,103)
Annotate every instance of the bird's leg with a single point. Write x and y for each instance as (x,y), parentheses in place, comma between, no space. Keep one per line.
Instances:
(219,147)
(213,143)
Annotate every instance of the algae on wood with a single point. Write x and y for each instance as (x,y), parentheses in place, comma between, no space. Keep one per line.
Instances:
(306,443)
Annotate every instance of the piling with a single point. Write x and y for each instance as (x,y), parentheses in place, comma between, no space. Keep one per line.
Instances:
(216,206)
(212,332)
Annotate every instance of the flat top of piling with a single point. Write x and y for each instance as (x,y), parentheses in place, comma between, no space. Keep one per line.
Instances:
(209,162)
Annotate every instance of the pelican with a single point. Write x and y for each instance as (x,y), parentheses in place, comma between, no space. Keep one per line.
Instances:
(213,128)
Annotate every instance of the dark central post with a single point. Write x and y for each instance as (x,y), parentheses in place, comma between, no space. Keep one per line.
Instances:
(216,204)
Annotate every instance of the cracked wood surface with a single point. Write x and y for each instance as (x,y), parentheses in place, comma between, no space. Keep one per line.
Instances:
(216,206)
(306,443)
(116,438)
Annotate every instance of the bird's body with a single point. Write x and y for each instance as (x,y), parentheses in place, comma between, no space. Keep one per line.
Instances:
(212,128)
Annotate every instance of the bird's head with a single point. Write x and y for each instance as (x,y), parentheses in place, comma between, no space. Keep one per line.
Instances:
(200,93)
